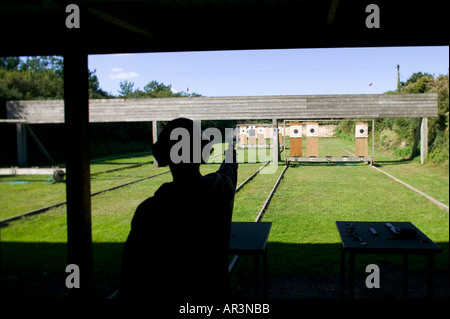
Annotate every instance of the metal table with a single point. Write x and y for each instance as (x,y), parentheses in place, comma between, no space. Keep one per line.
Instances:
(250,238)
(356,238)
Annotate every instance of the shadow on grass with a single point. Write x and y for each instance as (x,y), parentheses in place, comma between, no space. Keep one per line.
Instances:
(37,270)
(392,162)
(312,271)
(295,271)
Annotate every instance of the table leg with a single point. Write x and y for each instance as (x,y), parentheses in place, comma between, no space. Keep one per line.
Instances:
(256,271)
(430,275)
(351,279)
(342,272)
(405,277)
(265,270)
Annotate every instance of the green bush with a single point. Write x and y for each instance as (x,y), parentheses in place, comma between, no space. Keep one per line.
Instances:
(439,150)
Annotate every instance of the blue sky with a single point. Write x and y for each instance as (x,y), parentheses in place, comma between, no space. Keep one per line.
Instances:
(272,72)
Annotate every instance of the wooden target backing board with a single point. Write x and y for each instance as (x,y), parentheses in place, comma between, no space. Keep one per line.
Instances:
(295,132)
(251,135)
(261,137)
(361,139)
(242,135)
(361,147)
(312,139)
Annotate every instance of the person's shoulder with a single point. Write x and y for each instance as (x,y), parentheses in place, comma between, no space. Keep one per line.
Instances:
(146,204)
(152,203)
(143,211)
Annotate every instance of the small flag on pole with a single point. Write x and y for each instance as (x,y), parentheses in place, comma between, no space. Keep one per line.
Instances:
(370,84)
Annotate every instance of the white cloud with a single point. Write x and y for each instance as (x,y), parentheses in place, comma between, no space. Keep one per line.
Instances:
(122,54)
(123,75)
(115,70)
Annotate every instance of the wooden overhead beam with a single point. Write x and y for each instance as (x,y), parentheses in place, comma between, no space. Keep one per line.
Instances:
(119,22)
(235,108)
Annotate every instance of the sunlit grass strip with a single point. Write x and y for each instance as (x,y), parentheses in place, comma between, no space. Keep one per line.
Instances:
(310,199)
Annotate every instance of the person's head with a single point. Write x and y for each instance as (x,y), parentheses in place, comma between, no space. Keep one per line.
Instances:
(183,146)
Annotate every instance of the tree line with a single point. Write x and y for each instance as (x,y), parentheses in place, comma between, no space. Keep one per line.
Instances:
(42,78)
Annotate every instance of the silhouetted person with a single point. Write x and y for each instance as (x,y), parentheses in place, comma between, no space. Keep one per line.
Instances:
(178,243)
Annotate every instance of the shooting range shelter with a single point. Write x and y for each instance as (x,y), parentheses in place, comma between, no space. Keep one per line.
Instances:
(119,26)
(299,107)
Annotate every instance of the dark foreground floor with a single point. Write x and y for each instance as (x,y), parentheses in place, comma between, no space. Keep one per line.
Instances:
(308,287)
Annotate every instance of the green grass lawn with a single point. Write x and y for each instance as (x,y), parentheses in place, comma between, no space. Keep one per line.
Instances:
(311,198)
(39,192)
(432,180)
(303,240)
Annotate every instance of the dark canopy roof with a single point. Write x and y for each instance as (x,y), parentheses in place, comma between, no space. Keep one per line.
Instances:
(37,27)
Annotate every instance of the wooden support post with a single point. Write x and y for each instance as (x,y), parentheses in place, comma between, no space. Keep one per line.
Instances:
(22,157)
(423,140)
(78,187)
(373,140)
(416,141)
(39,144)
(156,129)
(276,146)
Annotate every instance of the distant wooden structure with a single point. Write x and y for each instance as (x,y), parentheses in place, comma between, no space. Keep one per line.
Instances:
(311,130)
(234,108)
(361,139)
